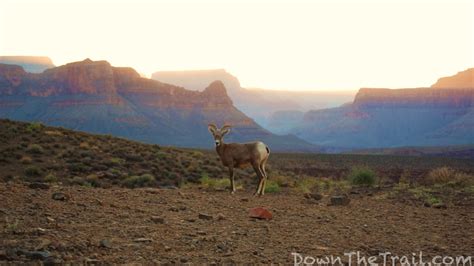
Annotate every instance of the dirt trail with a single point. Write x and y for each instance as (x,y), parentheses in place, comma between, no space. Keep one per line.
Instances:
(152,225)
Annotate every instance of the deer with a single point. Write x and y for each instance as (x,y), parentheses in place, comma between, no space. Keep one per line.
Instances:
(241,155)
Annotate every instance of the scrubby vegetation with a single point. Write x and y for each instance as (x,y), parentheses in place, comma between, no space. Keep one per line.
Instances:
(33,152)
(214,183)
(362,176)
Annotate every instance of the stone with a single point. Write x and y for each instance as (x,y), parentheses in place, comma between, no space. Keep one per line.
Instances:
(440,206)
(173,209)
(205,216)
(44,244)
(104,243)
(158,219)
(90,261)
(167,248)
(142,240)
(339,200)
(36,255)
(60,196)
(220,217)
(38,185)
(260,213)
(314,195)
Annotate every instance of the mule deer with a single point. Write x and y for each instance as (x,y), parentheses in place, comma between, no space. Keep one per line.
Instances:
(241,155)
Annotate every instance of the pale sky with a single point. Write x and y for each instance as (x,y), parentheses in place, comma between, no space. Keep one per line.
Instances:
(299,45)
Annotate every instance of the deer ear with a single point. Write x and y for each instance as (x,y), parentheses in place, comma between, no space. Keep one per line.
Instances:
(225,130)
(212,128)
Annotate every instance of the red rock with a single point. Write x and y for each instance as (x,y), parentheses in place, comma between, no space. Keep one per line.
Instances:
(260,213)
(463,79)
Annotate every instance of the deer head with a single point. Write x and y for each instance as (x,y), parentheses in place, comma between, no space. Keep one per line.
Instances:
(218,134)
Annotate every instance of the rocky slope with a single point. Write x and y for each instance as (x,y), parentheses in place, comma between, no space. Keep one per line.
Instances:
(96,97)
(159,226)
(393,118)
(259,104)
(33,64)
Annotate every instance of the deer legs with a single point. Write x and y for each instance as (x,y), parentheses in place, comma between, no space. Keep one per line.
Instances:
(231,177)
(261,179)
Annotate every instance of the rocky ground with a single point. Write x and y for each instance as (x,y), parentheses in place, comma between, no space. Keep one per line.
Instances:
(119,225)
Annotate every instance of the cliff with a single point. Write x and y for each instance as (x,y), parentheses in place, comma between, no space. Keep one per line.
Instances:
(442,115)
(97,97)
(463,79)
(456,97)
(33,64)
(197,79)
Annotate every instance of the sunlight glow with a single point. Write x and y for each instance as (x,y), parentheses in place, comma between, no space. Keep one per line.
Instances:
(268,44)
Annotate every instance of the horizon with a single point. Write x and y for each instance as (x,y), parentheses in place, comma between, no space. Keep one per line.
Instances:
(355,44)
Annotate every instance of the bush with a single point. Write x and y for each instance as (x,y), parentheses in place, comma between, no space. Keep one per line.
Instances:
(214,183)
(32,171)
(272,186)
(362,176)
(50,178)
(26,160)
(35,126)
(77,180)
(139,181)
(306,185)
(35,148)
(93,179)
(446,176)
(441,175)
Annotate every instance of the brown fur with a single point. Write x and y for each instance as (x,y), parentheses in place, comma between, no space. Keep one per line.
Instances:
(241,155)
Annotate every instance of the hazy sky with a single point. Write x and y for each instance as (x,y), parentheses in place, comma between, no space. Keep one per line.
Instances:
(268,44)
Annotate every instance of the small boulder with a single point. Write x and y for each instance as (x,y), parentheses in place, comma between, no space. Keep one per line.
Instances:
(440,206)
(314,195)
(205,216)
(60,196)
(260,213)
(38,185)
(340,200)
(35,255)
(142,240)
(104,243)
(158,219)
(220,217)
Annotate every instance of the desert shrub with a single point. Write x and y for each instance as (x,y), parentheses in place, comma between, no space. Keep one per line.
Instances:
(306,184)
(139,181)
(447,177)
(114,161)
(78,167)
(93,180)
(35,126)
(283,180)
(272,186)
(26,160)
(441,175)
(214,183)
(362,176)
(32,171)
(78,180)
(133,157)
(35,149)
(50,178)
(84,145)
(426,195)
